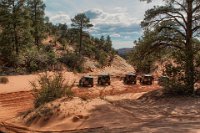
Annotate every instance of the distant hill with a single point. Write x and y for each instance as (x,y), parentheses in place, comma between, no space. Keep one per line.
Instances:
(124,51)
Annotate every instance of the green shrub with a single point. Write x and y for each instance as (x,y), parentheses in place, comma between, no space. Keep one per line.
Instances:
(4,80)
(101,57)
(35,59)
(176,83)
(73,61)
(175,88)
(50,88)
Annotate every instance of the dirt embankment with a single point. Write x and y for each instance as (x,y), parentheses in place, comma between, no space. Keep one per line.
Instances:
(118,66)
(120,113)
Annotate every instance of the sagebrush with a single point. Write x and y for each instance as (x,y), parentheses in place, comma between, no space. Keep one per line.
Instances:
(4,80)
(49,88)
(73,61)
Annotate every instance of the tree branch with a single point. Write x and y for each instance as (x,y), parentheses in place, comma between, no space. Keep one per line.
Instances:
(157,46)
(166,44)
(175,18)
(177,31)
(196,28)
(196,8)
(181,16)
(181,5)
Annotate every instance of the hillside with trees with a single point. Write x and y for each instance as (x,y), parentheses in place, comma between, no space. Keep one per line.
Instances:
(25,28)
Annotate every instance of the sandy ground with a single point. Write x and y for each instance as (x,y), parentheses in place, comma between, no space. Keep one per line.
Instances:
(16,95)
(11,104)
(112,115)
(18,83)
(22,82)
(112,109)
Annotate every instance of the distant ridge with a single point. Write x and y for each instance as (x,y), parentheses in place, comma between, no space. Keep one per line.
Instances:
(124,51)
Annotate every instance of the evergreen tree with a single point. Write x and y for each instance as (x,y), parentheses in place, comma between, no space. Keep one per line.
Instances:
(15,26)
(80,22)
(108,44)
(37,8)
(48,26)
(63,31)
(102,42)
(182,18)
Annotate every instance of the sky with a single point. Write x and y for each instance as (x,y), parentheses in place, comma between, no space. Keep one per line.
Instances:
(118,18)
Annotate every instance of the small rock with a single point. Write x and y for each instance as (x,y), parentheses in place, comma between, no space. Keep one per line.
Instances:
(75,119)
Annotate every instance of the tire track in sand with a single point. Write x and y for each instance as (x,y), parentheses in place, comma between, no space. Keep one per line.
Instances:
(11,104)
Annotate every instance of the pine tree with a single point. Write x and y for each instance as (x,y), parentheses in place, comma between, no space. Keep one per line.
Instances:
(108,44)
(37,13)
(102,42)
(80,22)
(182,18)
(63,33)
(15,26)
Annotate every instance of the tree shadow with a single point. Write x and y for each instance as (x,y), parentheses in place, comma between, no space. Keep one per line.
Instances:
(164,116)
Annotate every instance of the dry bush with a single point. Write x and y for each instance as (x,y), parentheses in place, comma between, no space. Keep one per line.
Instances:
(49,88)
(4,80)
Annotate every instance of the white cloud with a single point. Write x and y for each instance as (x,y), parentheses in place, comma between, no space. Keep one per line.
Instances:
(117,23)
(60,17)
(122,44)
(118,16)
(120,9)
(115,35)
(127,37)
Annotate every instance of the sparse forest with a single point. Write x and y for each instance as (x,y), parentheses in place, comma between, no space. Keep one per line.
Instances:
(24,29)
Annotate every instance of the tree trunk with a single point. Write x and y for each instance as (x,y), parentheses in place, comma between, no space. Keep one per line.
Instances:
(15,30)
(35,24)
(189,62)
(16,40)
(80,46)
(189,69)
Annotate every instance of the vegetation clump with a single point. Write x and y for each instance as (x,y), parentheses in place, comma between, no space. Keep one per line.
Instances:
(175,84)
(34,60)
(4,80)
(73,61)
(49,88)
